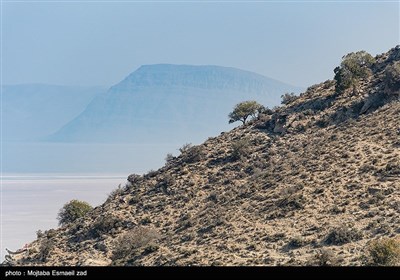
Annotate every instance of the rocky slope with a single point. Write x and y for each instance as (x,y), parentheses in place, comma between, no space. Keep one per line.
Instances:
(314,180)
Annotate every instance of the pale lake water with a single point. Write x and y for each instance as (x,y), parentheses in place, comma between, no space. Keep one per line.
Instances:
(31,202)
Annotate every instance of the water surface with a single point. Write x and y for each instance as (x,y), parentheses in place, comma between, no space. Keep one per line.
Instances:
(32,201)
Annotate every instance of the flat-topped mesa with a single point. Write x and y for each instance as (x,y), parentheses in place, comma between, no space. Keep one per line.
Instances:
(203,77)
(175,103)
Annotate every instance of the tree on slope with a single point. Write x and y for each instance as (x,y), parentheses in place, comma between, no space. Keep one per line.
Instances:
(244,110)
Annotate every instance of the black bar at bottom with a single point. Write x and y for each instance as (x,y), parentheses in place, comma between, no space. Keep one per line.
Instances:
(38,272)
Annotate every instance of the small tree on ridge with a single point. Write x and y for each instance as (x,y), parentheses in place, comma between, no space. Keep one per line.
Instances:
(243,110)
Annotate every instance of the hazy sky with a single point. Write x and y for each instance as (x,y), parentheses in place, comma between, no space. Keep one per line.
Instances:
(85,43)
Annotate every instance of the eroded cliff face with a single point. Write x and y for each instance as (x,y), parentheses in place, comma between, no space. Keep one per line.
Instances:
(316,178)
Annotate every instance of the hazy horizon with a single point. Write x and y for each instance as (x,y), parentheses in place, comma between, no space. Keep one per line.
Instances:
(125,76)
(102,43)
(83,43)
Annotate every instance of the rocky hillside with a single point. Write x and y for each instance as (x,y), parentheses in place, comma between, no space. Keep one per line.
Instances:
(312,182)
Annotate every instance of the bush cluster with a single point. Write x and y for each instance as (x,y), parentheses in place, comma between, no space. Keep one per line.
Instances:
(73,210)
(354,66)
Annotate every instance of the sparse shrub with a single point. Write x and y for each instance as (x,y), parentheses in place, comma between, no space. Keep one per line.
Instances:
(151,248)
(213,197)
(392,76)
(50,233)
(384,252)
(325,257)
(292,202)
(129,244)
(165,182)
(134,178)
(39,234)
(133,200)
(73,210)
(244,110)
(300,128)
(288,98)
(274,238)
(322,122)
(343,235)
(151,173)
(240,148)
(338,210)
(116,192)
(292,198)
(392,168)
(103,224)
(367,168)
(266,110)
(169,158)
(146,220)
(317,105)
(354,66)
(297,242)
(45,249)
(185,222)
(186,147)
(193,154)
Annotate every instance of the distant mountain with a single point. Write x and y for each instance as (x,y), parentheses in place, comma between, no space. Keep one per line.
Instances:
(33,111)
(169,103)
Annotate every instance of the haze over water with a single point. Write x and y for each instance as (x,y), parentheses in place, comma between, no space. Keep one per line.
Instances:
(32,201)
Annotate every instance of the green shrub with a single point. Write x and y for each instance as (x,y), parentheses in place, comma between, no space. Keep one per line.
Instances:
(354,66)
(73,210)
(384,252)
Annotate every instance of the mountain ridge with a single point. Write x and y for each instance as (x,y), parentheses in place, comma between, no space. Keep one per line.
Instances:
(312,182)
(168,72)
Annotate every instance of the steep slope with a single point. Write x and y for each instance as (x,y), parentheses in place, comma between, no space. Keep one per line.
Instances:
(311,182)
(33,111)
(169,103)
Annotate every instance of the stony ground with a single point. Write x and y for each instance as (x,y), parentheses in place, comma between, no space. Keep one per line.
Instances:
(316,178)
